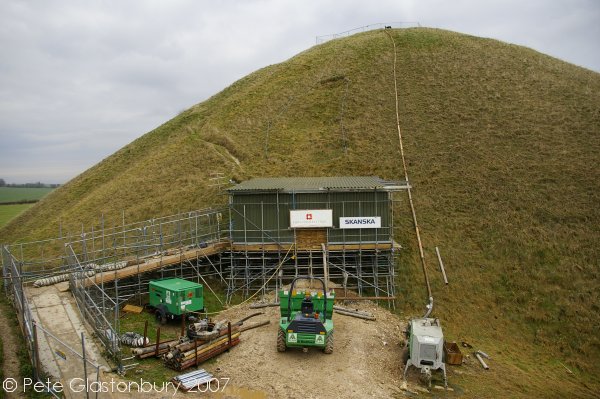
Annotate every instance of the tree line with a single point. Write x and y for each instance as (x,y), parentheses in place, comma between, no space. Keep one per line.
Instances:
(38,184)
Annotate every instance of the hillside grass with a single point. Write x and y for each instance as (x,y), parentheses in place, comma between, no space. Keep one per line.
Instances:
(502,147)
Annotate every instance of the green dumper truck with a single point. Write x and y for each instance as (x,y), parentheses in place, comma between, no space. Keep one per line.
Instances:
(305,318)
(174,297)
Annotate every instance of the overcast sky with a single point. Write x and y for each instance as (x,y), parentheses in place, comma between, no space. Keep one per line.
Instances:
(80,79)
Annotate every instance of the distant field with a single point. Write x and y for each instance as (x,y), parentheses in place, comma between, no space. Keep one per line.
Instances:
(15,194)
(7,212)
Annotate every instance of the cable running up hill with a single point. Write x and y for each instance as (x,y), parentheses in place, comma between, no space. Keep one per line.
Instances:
(410,199)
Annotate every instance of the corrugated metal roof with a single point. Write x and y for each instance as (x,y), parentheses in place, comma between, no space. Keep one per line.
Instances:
(317,184)
(176,284)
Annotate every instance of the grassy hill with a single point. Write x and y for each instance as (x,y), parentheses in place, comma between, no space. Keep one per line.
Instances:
(502,146)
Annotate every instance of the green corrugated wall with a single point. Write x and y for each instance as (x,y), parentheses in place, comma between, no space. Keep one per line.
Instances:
(267,218)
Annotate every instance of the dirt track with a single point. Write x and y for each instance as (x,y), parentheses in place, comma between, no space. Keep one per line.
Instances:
(366,361)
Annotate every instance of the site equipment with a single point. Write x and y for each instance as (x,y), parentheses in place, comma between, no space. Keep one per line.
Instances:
(425,348)
(305,317)
(174,297)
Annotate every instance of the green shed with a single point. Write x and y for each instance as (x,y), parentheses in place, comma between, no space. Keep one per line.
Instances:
(177,296)
(309,211)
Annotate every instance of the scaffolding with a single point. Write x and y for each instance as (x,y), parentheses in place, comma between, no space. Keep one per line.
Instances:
(108,267)
(366,271)
(94,262)
(267,254)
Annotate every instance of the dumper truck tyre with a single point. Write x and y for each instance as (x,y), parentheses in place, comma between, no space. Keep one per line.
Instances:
(161,315)
(281,341)
(329,344)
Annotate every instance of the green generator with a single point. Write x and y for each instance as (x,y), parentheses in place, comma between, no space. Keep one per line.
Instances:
(174,297)
(305,318)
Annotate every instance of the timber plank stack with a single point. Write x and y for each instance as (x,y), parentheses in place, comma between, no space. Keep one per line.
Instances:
(180,360)
(186,352)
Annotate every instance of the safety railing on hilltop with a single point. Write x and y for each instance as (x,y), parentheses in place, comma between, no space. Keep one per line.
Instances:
(381,25)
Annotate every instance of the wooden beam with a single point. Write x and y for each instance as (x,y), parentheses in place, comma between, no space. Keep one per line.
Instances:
(239,247)
(156,263)
(437,251)
(325,266)
(213,249)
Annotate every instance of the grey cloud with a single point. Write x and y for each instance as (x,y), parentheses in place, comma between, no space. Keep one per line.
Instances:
(78,80)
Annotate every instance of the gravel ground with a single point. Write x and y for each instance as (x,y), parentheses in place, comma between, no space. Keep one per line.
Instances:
(366,362)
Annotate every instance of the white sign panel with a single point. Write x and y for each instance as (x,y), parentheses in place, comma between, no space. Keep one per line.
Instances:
(367,222)
(311,218)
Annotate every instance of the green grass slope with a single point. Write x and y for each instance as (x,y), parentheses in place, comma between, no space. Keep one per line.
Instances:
(502,146)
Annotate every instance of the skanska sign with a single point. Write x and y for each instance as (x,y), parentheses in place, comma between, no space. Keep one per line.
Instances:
(367,222)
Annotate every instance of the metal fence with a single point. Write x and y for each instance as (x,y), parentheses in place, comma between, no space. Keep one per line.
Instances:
(75,258)
(13,287)
(97,251)
(381,25)
(102,244)
(40,342)
(150,237)
(100,310)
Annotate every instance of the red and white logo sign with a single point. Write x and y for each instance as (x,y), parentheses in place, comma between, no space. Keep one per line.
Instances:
(311,218)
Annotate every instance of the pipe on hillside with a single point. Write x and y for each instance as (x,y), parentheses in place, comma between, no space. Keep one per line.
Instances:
(478,356)
(410,199)
(429,307)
